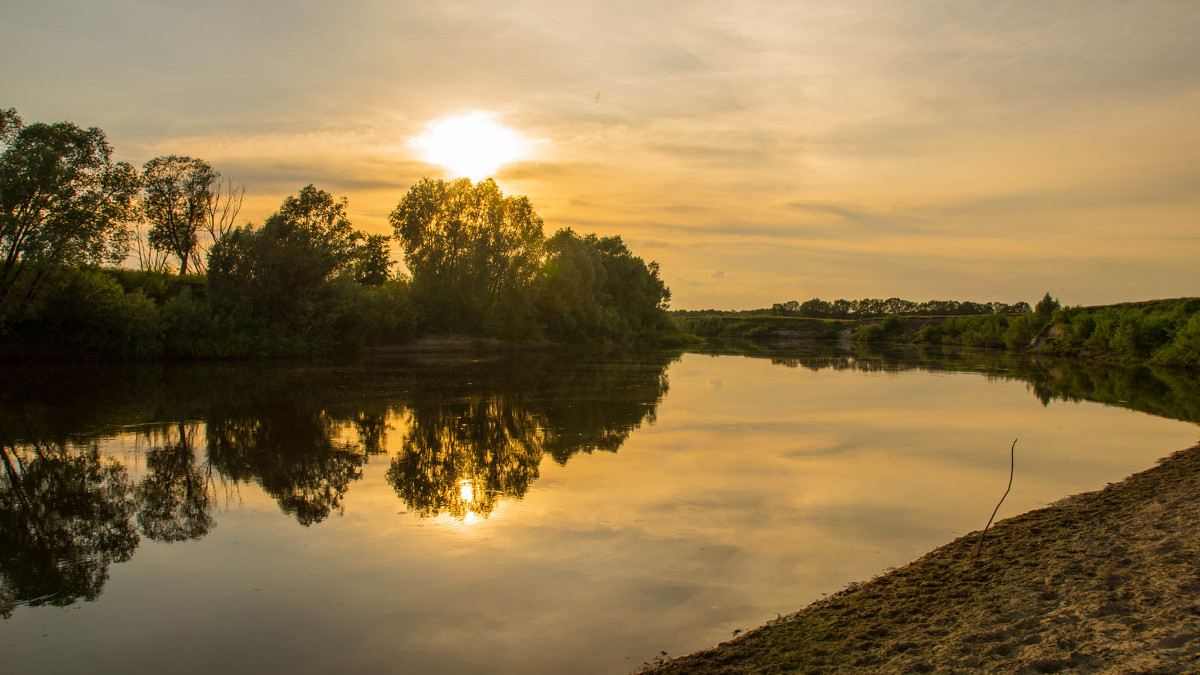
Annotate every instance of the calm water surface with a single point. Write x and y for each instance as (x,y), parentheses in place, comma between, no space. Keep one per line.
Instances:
(514,515)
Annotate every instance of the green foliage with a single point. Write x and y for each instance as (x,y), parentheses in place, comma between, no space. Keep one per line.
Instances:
(1046,307)
(594,287)
(469,248)
(481,266)
(1184,348)
(62,201)
(1156,332)
(298,284)
(1021,330)
(87,314)
(887,330)
(372,261)
(158,286)
(306,281)
(868,308)
(707,326)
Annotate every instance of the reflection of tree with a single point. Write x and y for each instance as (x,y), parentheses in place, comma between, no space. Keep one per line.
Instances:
(480,436)
(173,499)
(1157,391)
(372,427)
(459,456)
(288,448)
(597,406)
(65,516)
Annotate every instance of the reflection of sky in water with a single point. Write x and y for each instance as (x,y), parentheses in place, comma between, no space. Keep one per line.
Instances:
(757,489)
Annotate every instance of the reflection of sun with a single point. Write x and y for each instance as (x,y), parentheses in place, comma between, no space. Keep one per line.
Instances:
(466,491)
(471,145)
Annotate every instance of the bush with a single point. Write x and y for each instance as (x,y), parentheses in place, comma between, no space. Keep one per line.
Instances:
(1184,349)
(86,313)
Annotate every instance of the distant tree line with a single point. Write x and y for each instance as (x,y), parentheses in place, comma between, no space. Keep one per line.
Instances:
(304,281)
(1158,332)
(868,308)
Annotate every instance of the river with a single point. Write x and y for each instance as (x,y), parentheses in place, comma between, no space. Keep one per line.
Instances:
(515,513)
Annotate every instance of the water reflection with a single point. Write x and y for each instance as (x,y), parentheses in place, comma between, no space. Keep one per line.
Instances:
(473,434)
(1169,393)
(65,516)
(287,445)
(481,437)
(458,439)
(461,456)
(174,499)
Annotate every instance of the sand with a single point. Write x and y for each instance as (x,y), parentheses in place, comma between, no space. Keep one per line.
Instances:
(1101,582)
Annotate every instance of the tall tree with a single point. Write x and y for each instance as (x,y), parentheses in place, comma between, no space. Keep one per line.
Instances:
(285,263)
(178,193)
(62,200)
(468,247)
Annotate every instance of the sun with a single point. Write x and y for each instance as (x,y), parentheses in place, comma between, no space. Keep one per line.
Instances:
(471,145)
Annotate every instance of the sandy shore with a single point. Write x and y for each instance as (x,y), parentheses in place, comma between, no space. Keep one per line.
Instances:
(1102,582)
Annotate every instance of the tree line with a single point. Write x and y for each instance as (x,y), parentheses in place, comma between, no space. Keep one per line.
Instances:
(868,308)
(305,280)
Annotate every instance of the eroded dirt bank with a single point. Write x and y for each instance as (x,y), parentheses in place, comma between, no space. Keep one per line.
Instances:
(1105,581)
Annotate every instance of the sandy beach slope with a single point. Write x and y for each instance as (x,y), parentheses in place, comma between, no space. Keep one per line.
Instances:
(1101,582)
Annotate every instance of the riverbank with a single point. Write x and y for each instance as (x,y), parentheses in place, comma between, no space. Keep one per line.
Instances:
(1103,581)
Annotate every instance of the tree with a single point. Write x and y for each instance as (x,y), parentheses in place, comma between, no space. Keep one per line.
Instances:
(373,260)
(789,308)
(593,287)
(224,204)
(177,194)
(571,274)
(297,285)
(308,242)
(632,287)
(816,308)
(469,248)
(62,200)
(1046,306)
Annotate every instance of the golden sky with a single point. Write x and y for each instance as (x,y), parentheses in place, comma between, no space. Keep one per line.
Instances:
(760,151)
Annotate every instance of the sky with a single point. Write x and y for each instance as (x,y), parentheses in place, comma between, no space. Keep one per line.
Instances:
(760,151)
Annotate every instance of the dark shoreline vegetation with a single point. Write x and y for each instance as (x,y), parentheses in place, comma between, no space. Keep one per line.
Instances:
(304,282)
(1162,333)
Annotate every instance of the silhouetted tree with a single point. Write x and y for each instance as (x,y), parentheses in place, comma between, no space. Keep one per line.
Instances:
(289,273)
(594,287)
(62,201)
(1046,306)
(177,194)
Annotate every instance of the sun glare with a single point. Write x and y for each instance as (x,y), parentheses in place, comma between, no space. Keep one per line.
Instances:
(471,145)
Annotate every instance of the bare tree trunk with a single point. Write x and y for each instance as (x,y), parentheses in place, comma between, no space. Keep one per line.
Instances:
(223,207)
